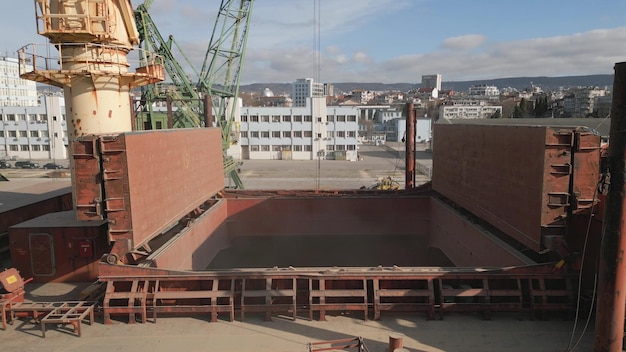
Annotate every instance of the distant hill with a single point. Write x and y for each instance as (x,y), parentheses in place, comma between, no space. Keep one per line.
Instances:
(546,83)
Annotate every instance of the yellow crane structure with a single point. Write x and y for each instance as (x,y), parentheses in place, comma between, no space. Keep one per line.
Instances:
(87,56)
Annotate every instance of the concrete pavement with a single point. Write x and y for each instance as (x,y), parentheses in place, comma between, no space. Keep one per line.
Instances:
(458,332)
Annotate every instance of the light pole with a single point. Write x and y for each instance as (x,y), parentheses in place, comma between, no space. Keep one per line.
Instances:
(30,146)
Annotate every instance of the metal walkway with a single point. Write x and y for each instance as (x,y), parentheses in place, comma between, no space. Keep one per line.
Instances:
(364,292)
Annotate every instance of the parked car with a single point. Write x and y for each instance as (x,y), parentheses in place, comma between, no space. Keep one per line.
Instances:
(26,165)
(53,166)
(4,164)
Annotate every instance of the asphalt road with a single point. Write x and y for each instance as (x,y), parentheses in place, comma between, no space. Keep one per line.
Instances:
(377,162)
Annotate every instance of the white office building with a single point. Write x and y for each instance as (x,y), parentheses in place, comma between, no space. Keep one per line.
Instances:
(304,88)
(458,111)
(483,90)
(15,91)
(31,126)
(396,130)
(299,133)
(35,132)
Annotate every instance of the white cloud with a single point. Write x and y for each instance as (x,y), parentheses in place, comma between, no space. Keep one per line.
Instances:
(464,42)
(360,57)
(341,59)
(281,43)
(593,52)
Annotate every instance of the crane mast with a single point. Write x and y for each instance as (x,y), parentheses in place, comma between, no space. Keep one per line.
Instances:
(220,74)
(218,78)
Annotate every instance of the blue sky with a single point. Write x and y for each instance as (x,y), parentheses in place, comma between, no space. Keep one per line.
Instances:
(393,41)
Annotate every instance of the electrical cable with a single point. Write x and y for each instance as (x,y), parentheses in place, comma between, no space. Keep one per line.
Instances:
(580,274)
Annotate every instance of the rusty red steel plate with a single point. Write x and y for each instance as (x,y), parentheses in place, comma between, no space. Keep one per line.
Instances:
(56,247)
(147,181)
(329,216)
(87,179)
(197,245)
(517,177)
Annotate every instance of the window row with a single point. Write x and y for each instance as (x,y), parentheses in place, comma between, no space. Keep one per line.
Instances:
(295,134)
(299,148)
(340,147)
(23,117)
(276,118)
(278,148)
(26,148)
(296,118)
(15,134)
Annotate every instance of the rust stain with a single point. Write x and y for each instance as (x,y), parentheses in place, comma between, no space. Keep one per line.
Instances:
(110,113)
(94,113)
(94,92)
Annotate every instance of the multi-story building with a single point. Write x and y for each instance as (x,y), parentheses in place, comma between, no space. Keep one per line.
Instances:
(581,102)
(329,90)
(362,96)
(388,98)
(396,129)
(35,132)
(479,111)
(31,126)
(483,90)
(15,91)
(432,81)
(389,114)
(299,133)
(304,88)
(602,105)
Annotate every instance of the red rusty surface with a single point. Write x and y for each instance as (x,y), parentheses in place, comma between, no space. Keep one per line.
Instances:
(197,245)
(586,170)
(357,215)
(151,179)
(585,236)
(514,177)
(52,248)
(58,201)
(465,244)
(87,179)
(306,291)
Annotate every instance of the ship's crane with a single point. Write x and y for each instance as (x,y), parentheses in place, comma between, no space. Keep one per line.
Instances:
(184,93)
(219,77)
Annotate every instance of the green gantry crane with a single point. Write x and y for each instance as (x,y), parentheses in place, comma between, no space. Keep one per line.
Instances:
(218,78)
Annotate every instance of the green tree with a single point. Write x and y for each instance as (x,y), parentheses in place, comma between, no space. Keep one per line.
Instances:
(520,109)
(541,106)
(496,115)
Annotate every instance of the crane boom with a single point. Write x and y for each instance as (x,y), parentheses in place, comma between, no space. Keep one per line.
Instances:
(221,70)
(188,112)
(219,77)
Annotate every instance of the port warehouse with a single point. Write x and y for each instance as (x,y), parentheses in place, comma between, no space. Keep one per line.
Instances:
(477,244)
